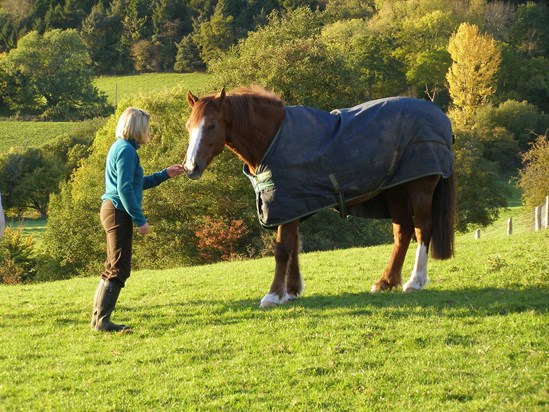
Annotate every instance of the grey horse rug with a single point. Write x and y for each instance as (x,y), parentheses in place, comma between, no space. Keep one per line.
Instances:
(320,160)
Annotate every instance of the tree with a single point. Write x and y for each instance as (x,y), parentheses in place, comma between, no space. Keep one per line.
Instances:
(188,56)
(288,56)
(533,178)
(368,55)
(50,75)
(28,178)
(17,263)
(522,119)
(479,196)
(102,32)
(215,36)
(472,75)
(525,57)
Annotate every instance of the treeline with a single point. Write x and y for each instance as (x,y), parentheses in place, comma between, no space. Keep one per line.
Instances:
(127,36)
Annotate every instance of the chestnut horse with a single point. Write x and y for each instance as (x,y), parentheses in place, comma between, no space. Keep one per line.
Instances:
(247,121)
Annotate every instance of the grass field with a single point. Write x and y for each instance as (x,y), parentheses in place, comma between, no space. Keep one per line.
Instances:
(476,339)
(121,87)
(32,134)
(15,133)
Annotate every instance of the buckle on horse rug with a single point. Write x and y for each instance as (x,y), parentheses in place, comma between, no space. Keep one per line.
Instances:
(340,197)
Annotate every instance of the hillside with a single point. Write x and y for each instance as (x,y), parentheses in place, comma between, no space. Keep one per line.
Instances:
(118,88)
(476,339)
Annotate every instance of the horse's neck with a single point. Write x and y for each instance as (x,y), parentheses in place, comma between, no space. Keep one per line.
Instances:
(251,145)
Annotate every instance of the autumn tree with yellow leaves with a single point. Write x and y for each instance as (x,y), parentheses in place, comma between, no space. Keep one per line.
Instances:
(471,77)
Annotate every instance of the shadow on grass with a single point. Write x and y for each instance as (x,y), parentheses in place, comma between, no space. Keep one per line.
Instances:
(450,304)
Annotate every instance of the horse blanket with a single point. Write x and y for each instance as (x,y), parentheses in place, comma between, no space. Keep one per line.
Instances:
(320,160)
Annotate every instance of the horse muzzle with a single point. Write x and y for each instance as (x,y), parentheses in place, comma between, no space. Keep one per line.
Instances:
(193,173)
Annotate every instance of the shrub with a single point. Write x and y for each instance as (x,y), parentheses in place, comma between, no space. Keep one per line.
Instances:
(17,263)
(219,239)
(533,178)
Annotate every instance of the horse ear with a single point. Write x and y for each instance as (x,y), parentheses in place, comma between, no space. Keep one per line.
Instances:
(221,96)
(191,98)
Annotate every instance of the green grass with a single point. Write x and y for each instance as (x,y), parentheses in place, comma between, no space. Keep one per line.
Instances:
(34,227)
(118,88)
(32,134)
(476,339)
(15,133)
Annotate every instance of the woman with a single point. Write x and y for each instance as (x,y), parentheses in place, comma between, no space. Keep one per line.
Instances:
(121,208)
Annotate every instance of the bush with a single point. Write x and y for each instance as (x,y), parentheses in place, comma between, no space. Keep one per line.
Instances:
(533,178)
(17,263)
(479,195)
(522,119)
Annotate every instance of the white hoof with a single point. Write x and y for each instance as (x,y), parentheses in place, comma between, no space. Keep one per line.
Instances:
(272,299)
(415,285)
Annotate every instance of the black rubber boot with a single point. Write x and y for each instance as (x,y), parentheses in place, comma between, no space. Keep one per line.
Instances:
(95,299)
(107,294)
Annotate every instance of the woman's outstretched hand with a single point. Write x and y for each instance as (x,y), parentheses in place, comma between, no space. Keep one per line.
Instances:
(175,170)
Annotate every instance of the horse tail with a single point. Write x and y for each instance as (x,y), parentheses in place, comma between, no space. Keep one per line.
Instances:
(443,215)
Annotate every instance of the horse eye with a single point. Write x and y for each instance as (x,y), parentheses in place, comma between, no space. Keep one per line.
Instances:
(211,126)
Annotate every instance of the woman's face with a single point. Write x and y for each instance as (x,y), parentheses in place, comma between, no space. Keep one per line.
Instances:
(146,135)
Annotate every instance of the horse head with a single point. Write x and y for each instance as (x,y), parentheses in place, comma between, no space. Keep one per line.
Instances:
(207,132)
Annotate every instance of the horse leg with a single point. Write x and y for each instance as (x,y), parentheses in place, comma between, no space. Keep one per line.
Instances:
(421,199)
(403,229)
(285,239)
(294,281)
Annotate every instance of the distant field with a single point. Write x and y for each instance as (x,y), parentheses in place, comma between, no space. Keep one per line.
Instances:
(121,87)
(31,134)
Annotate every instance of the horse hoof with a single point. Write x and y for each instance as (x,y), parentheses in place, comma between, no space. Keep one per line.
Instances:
(375,289)
(381,286)
(410,287)
(272,299)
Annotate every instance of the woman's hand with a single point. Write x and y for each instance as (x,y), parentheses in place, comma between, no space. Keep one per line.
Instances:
(143,230)
(175,170)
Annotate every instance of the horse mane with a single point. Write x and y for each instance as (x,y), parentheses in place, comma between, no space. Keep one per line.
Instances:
(245,101)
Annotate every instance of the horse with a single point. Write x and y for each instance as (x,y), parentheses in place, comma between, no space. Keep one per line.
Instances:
(250,122)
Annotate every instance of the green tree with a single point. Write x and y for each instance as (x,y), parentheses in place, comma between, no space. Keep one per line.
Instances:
(288,57)
(534,177)
(74,240)
(17,262)
(214,36)
(50,75)
(27,178)
(471,77)
(478,194)
(188,57)
(368,55)
(525,57)
(102,32)
(524,120)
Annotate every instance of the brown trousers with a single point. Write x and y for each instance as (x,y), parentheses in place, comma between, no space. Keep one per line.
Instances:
(118,226)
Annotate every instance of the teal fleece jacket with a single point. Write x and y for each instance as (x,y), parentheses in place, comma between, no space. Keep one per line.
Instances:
(124,180)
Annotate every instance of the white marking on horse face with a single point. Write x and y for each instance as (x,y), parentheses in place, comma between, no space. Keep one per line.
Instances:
(419,278)
(197,134)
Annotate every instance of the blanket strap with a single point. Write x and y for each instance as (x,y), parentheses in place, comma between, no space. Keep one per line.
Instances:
(340,197)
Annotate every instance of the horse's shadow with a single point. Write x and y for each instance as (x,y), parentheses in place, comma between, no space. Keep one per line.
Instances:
(461,303)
